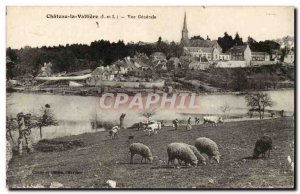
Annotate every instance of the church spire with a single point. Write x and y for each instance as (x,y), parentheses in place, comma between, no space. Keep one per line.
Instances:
(185,33)
(184,23)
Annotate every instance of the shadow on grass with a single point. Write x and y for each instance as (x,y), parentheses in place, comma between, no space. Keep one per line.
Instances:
(169,167)
(135,163)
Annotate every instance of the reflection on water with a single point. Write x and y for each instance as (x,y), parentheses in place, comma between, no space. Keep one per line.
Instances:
(75,113)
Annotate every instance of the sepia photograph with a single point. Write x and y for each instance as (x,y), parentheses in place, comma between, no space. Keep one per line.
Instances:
(157,97)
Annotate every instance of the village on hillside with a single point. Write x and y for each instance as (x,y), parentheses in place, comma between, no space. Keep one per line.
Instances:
(198,65)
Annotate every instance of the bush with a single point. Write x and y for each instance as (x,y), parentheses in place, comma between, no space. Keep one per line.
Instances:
(47,145)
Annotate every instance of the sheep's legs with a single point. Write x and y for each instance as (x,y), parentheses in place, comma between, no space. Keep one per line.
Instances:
(179,162)
(170,161)
(131,161)
(209,159)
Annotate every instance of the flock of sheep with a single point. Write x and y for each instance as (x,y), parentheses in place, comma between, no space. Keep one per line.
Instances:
(189,154)
(192,155)
(186,153)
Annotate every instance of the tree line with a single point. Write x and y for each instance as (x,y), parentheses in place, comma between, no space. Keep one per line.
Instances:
(75,57)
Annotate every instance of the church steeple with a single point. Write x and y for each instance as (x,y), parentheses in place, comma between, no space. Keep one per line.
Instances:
(185,33)
(184,23)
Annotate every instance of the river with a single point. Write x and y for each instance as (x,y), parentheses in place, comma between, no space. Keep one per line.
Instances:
(75,113)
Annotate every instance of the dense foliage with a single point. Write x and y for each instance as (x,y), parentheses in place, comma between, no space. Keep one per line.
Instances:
(75,57)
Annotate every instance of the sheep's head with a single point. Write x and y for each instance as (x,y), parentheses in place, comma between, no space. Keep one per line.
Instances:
(221,120)
(194,162)
(217,158)
(256,153)
(150,159)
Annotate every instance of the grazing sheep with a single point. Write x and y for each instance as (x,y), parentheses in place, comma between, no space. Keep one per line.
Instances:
(201,159)
(262,145)
(209,147)
(213,119)
(142,126)
(142,150)
(153,128)
(182,152)
(114,132)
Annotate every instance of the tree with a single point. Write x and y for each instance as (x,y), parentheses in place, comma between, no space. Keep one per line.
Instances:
(263,46)
(225,108)
(238,40)
(197,38)
(148,113)
(226,42)
(11,59)
(258,102)
(251,41)
(46,119)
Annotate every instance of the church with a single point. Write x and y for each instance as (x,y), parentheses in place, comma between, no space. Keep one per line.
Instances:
(204,50)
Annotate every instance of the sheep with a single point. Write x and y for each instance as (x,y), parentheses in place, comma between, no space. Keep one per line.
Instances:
(213,119)
(142,150)
(201,159)
(262,145)
(114,132)
(199,156)
(181,152)
(153,128)
(142,126)
(209,147)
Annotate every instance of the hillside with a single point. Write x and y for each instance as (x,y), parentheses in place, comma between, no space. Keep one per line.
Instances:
(102,159)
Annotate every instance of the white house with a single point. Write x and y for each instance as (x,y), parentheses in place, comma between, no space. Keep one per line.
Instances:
(289,57)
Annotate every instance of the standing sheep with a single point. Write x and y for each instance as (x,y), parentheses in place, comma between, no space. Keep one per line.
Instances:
(142,150)
(212,119)
(181,151)
(113,132)
(262,145)
(209,147)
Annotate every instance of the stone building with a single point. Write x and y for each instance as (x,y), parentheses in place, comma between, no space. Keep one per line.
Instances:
(240,53)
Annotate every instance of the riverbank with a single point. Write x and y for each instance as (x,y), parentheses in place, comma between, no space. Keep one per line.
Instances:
(102,159)
(95,91)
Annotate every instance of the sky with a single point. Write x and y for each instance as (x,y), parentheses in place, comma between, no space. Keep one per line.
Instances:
(29,26)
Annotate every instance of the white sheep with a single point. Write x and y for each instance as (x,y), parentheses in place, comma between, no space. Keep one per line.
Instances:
(153,128)
(201,159)
(209,147)
(212,119)
(114,131)
(142,150)
(181,152)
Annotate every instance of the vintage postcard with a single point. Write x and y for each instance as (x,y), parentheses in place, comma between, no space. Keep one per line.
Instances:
(150,97)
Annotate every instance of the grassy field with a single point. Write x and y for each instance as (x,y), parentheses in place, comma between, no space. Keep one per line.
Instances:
(102,158)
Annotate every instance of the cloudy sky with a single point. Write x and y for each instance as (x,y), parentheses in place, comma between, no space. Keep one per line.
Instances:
(29,26)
